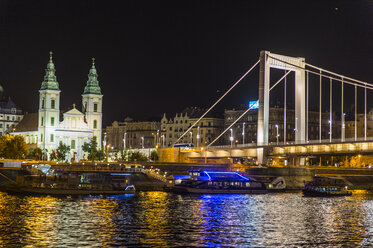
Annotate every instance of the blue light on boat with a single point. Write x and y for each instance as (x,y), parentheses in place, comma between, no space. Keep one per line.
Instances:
(224,172)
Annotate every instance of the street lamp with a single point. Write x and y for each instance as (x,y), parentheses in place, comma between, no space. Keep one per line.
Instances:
(243,133)
(124,141)
(104,141)
(277,133)
(191,137)
(163,140)
(330,130)
(107,153)
(343,127)
(13,131)
(142,142)
(157,139)
(198,136)
(231,138)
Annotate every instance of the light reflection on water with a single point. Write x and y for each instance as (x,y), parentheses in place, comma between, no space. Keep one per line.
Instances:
(159,219)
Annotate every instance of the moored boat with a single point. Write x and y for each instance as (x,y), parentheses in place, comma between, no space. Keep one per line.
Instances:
(27,190)
(326,187)
(70,184)
(219,182)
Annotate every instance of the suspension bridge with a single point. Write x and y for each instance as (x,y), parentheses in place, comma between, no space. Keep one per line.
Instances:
(301,146)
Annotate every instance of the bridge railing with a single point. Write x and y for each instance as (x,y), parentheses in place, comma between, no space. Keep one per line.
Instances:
(309,142)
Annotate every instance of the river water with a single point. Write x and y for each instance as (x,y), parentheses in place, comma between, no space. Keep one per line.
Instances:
(159,219)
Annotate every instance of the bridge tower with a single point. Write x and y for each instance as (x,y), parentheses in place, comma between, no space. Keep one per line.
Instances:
(270,60)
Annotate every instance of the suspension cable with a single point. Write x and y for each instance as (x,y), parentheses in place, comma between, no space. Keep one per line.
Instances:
(239,118)
(357,82)
(257,102)
(239,80)
(338,75)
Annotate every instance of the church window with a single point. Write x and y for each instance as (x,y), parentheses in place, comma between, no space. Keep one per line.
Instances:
(42,103)
(85,106)
(72,144)
(52,138)
(95,107)
(7,118)
(1,125)
(95,124)
(94,138)
(41,137)
(52,121)
(42,121)
(53,104)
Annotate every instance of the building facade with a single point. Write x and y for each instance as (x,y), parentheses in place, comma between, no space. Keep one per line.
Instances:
(245,130)
(131,134)
(10,115)
(200,135)
(47,128)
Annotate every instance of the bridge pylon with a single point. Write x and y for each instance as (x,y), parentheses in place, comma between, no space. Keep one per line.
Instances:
(270,60)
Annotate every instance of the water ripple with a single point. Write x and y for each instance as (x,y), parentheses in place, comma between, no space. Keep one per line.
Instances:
(158,219)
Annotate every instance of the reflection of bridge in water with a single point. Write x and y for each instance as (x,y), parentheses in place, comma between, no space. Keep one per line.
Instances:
(301,147)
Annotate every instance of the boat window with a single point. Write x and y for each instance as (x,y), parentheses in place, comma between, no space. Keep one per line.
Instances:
(210,183)
(247,184)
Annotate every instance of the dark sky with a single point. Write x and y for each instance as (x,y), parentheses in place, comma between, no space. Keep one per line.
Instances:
(162,56)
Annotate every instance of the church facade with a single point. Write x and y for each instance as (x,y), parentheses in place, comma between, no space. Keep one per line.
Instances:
(50,126)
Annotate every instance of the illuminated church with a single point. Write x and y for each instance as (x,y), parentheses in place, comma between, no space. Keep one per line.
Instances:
(47,128)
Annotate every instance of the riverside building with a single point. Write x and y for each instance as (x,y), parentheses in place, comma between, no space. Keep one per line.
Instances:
(50,126)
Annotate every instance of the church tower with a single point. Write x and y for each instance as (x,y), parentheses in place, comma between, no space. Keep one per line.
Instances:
(49,108)
(92,104)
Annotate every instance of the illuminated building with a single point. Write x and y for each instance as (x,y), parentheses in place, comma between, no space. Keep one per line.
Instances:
(47,128)
(201,134)
(276,118)
(10,115)
(134,134)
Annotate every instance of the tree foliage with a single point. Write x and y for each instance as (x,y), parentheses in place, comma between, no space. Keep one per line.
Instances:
(62,151)
(35,153)
(123,155)
(53,155)
(13,147)
(94,154)
(154,155)
(136,156)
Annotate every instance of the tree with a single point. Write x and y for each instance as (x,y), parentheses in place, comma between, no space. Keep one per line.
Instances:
(123,155)
(62,151)
(53,155)
(35,153)
(137,156)
(13,147)
(94,154)
(154,155)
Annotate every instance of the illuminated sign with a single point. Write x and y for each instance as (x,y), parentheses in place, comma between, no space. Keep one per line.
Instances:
(254,104)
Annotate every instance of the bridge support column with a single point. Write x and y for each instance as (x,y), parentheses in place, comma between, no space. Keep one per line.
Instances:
(300,107)
(263,111)
(261,156)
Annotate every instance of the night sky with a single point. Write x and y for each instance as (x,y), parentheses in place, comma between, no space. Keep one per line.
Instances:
(162,56)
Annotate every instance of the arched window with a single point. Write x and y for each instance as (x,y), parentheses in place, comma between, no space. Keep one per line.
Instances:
(95,124)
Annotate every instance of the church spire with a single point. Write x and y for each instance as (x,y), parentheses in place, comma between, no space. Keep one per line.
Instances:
(92,86)
(50,79)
